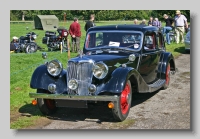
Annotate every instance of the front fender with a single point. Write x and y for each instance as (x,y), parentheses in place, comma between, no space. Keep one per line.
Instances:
(166,58)
(118,79)
(41,79)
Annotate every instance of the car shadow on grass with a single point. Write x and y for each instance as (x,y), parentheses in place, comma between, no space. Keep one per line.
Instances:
(29,110)
(180,50)
(97,112)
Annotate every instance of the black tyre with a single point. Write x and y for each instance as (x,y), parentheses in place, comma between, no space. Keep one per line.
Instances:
(49,49)
(171,37)
(121,109)
(167,77)
(31,48)
(46,106)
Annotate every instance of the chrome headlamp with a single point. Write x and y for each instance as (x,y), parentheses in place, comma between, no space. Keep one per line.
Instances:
(131,57)
(34,36)
(100,70)
(54,67)
(73,84)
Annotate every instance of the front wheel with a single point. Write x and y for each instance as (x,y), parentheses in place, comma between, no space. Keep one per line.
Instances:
(31,48)
(121,109)
(46,106)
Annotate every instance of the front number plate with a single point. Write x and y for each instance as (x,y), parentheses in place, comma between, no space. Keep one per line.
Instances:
(71,103)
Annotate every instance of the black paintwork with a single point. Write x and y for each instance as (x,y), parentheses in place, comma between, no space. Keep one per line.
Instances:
(148,67)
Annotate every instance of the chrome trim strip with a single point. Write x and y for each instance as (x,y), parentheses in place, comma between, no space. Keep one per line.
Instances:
(74,97)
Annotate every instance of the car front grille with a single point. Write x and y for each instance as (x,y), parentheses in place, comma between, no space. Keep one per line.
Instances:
(81,71)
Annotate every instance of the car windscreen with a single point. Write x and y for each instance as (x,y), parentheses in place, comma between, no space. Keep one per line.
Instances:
(126,39)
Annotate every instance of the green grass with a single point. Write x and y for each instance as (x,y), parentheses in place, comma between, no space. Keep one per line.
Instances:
(23,122)
(23,65)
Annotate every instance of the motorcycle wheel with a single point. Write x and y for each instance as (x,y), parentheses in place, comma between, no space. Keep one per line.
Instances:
(31,48)
(50,49)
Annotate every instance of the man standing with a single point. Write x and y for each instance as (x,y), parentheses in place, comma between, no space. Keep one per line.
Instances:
(150,23)
(168,27)
(75,32)
(157,23)
(89,23)
(180,23)
(143,22)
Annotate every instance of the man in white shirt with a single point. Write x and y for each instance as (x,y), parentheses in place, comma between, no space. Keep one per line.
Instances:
(180,23)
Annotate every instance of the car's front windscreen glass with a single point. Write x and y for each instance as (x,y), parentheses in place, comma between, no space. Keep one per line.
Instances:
(126,39)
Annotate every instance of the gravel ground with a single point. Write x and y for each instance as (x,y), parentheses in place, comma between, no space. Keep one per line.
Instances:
(164,109)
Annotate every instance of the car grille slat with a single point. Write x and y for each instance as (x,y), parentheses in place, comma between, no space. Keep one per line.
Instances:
(81,72)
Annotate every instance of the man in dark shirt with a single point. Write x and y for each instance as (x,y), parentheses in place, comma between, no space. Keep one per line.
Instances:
(89,23)
(168,27)
(150,23)
(75,32)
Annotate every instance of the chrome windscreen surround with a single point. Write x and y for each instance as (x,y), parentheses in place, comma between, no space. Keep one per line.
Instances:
(81,70)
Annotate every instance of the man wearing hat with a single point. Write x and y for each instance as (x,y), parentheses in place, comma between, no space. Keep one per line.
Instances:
(14,44)
(180,24)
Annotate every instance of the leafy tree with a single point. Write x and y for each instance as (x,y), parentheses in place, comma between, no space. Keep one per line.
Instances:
(99,14)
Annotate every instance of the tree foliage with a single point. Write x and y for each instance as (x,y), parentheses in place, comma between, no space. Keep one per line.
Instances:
(99,14)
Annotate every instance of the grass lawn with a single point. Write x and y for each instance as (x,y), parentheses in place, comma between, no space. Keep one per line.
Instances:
(22,66)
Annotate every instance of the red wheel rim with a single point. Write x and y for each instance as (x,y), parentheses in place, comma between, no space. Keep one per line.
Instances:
(50,103)
(167,74)
(125,96)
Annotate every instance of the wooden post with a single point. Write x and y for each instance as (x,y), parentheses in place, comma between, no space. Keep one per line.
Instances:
(68,46)
(61,47)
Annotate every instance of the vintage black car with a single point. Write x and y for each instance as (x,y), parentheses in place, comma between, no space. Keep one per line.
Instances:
(116,61)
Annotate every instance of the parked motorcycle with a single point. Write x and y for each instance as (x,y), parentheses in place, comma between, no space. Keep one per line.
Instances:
(54,42)
(27,43)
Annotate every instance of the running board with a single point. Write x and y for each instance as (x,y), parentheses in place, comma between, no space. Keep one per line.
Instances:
(156,85)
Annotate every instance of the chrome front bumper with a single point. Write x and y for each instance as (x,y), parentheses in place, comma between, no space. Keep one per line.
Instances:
(74,97)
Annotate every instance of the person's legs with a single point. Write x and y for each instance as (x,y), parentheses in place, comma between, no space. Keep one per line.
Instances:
(73,44)
(182,30)
(177,35)
(167,30)
(78,44)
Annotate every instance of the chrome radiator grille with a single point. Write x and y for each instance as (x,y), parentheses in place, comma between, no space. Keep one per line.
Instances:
(81,71)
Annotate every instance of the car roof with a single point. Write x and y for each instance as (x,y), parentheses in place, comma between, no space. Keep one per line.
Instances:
(129,27)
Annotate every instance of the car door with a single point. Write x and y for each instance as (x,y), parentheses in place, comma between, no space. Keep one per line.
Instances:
(149,58)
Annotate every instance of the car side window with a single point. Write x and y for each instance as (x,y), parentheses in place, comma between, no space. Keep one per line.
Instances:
(149,42)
